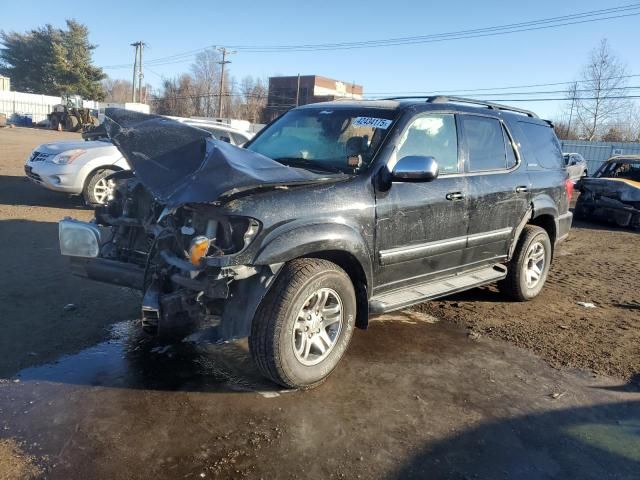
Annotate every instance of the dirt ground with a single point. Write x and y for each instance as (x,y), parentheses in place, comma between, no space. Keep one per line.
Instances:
(434,393)
(595,265)
(15,464)
(35,285)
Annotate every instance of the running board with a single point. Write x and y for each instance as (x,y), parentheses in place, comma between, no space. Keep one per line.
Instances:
(397,299)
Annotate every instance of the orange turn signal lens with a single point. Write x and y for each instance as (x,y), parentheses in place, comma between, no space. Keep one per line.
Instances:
(198,249)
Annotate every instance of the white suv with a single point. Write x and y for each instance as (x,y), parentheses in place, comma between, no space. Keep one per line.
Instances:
(82,167)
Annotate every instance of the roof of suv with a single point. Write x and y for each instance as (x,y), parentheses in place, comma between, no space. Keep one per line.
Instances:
(452,103)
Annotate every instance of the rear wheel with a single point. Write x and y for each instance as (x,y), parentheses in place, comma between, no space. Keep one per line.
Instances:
(529,267)
(304,325)
(98,189)
(71,123)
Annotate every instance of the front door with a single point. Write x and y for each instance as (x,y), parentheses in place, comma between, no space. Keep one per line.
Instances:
(421,228)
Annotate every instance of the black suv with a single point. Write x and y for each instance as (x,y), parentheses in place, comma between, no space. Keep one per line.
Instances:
(332,213)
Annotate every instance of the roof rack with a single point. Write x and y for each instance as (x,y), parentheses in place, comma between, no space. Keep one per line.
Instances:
(446,99)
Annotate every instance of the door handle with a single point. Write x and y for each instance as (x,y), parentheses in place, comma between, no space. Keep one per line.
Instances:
(454,196)
(522,189)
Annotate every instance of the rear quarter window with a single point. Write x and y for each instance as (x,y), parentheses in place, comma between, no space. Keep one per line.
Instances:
(543,145)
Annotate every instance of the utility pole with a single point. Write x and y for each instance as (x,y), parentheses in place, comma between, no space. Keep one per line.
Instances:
(298,92)
(137,71)
(574,91)
(140,74)
(224,61)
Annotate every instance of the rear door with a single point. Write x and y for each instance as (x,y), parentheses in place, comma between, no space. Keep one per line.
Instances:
(499,188)
(421,227)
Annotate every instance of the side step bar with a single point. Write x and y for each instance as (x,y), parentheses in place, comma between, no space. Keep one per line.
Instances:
(405,297)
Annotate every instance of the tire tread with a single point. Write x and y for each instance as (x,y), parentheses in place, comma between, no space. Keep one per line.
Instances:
(510,285)
(262,345)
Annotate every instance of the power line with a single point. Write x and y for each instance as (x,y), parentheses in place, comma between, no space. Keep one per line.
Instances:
(473,33)
(613,97)
(494,93)
(545,23)
(493,89)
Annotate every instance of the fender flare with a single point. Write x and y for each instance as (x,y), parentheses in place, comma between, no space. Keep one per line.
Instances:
(544,205)
(540,205)
(285,245)
(304,240)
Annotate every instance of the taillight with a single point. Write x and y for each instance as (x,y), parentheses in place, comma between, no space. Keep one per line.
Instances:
(568,186)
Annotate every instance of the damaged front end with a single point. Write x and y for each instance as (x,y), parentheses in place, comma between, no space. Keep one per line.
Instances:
(167,232)
(611,200)
(178,258)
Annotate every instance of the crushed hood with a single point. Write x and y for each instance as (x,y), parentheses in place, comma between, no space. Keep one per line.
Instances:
(618,188)
(180,164)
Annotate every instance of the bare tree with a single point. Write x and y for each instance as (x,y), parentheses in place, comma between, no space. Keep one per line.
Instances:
(628,124)
(254,98)
(564,130)
(178,97)
(116,90)
(206,80)
(598,101)
(119,91)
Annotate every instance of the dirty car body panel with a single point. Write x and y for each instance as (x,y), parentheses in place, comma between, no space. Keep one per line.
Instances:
(613,193)
(205,228)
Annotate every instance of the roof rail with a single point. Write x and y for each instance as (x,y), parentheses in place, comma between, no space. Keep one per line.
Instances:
(446,99)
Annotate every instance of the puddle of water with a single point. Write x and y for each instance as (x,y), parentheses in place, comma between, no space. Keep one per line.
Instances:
(131,360)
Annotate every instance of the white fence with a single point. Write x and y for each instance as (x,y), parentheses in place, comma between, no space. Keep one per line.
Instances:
(14,104)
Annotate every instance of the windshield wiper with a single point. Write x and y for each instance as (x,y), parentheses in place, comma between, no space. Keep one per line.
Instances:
(303,162)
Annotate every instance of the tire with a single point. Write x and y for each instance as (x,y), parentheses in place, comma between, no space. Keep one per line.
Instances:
(91,192)
(71,123)
(278,340)
(520,285)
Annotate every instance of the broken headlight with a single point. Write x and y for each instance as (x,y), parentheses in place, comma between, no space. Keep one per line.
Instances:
(210,235)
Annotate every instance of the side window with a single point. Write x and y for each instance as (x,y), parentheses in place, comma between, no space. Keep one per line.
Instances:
(543,145)
(432,135)
(485,143)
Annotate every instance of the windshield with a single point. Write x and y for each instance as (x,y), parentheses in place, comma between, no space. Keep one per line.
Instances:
(330,139)
(627,170)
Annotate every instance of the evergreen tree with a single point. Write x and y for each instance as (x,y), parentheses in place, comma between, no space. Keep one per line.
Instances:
(51,61)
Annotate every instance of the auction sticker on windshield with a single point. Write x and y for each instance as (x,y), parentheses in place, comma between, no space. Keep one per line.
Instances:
(382,123)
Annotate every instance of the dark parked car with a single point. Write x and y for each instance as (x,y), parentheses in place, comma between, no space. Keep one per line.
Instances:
(613,194)
(332,213)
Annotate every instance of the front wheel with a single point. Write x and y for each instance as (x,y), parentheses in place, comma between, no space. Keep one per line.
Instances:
(98,189)
(305,323)
(529,267)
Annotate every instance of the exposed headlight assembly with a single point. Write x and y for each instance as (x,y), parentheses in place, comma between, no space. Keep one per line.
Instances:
(78,239)
(219,236)
(67,157)
(251,232)
(198,249)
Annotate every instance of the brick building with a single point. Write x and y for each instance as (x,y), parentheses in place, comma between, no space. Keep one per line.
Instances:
(286,92)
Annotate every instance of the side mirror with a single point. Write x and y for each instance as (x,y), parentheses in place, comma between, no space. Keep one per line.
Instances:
(415,168)
(225,139)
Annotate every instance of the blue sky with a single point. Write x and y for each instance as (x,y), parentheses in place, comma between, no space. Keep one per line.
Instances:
(543,56)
